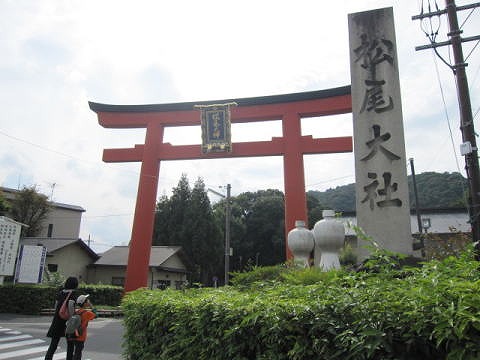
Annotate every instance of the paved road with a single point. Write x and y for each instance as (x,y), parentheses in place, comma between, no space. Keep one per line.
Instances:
(22,337)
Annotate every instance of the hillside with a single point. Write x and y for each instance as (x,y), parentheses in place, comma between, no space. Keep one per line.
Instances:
(435,190)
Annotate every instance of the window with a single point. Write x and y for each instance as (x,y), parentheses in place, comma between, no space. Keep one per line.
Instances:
(50,230)
(163,284)
(52,267)
(118,281)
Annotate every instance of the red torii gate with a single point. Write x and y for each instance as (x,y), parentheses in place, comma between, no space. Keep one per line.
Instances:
(290,108)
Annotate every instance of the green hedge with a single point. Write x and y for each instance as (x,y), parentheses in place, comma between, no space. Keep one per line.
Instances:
(31,299)
(432,312)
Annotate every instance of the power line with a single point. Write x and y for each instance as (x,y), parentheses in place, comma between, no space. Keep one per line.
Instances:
(471,51)
(329,180)
(466,19)
(446,111)
(96,163)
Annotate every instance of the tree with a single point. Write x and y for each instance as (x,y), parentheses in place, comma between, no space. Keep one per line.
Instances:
(30,208)
(4,206)
(186,219)
(204,234)
(257,228)
(314,209)
(435,190)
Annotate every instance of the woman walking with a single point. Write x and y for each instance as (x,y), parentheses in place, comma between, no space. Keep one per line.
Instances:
(57,328)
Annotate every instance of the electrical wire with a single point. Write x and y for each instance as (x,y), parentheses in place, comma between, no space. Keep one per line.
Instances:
(448,123)
(327,181)
(471,51)
(43,147)
(476,113)
(468,16)
(446,111)
(96,163)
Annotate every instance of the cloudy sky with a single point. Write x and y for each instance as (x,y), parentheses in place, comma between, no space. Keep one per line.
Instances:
(58,55)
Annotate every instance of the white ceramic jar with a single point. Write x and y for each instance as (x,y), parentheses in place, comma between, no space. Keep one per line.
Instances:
(300,242)
(329,235)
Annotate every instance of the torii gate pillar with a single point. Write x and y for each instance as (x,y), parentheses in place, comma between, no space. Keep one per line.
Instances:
(290,108)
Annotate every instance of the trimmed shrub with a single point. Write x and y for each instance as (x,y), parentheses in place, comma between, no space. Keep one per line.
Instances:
(429,312)
(31,299)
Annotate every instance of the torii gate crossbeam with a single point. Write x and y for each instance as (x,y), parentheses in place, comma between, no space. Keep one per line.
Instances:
(290,108)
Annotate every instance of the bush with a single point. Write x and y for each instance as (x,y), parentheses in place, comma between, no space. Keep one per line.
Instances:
(31,299)
(419,313)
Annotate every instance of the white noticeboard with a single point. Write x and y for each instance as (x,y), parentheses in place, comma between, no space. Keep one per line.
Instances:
(30,264)
(9,237)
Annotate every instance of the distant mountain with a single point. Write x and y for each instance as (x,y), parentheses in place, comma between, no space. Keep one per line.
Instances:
(435,190)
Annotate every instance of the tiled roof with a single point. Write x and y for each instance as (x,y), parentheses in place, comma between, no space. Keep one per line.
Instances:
(251,101)
(118,255)
(54,244)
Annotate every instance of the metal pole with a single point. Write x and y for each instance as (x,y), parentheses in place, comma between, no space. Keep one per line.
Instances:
(417,205)
(227,236)
(466,121)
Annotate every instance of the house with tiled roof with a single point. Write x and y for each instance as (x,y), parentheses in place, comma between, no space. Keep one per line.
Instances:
(69,255)
(168,267)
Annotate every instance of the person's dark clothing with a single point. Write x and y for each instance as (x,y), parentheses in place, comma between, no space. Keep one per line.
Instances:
(53,347)
(77,349)
(57,328)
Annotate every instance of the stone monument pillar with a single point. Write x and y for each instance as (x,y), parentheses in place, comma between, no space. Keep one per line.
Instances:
(382,202)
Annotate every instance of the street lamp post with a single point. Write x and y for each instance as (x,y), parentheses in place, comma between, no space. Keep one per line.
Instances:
(227,229)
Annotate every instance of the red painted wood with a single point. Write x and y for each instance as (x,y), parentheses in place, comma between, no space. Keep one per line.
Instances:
(143,221)
(294,176)
(292,146)
(308,108)
(275,147)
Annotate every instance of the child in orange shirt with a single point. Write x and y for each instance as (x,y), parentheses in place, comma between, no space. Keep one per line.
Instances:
(86,313)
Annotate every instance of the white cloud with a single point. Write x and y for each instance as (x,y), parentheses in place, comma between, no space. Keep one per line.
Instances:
(57,56)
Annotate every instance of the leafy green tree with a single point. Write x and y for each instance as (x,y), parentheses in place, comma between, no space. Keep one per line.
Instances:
(30,208)
(435,190)
(314,208)
(186,219)
(257,228)
(178,206)
(206,238)
(4,205)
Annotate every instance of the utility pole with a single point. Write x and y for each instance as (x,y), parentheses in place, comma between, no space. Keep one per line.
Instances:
(415,192)
(227,236)
(469,146)
(227,229)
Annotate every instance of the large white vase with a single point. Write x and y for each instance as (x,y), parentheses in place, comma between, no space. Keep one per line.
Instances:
(300,242)
(329,236)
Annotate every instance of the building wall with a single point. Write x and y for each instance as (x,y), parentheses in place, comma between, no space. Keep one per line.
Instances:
(71,260)
(104,274)
(440,223)
(174,262)
(65,223)
(157,278)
